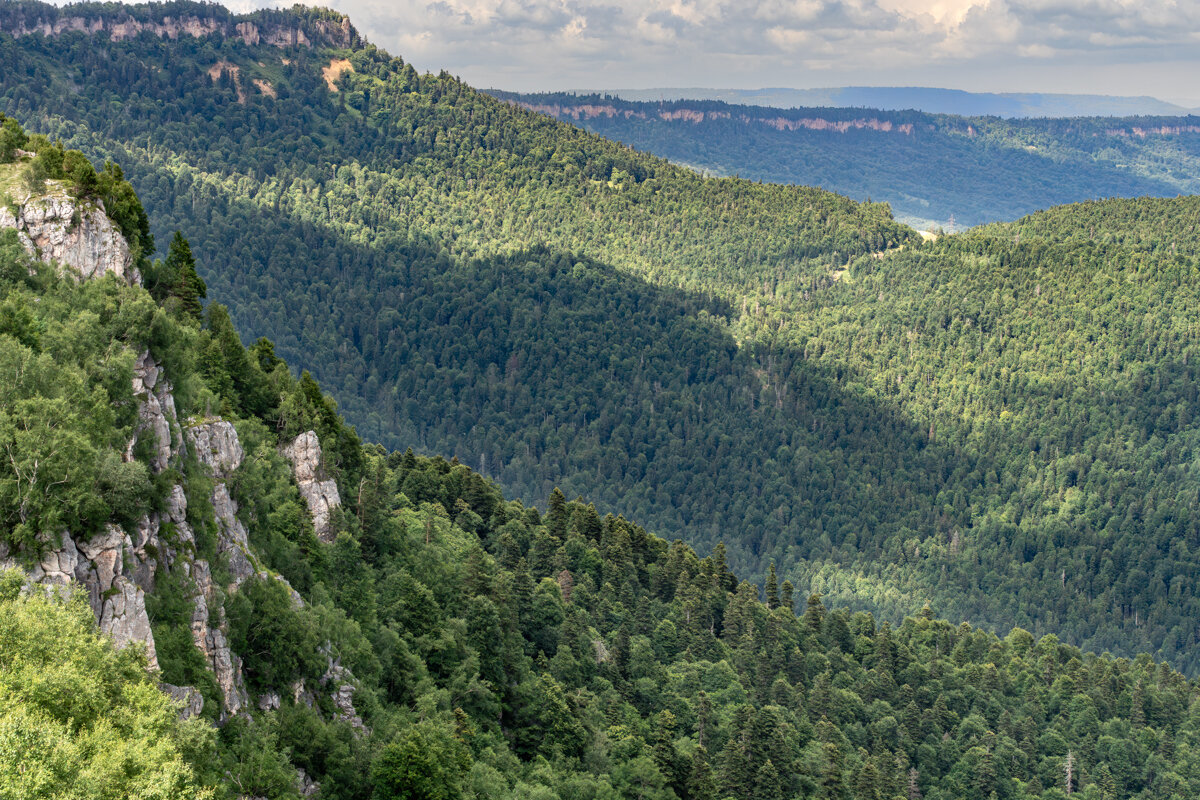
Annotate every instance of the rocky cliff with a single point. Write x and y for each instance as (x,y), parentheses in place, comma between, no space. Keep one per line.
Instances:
(584,111)
(118,568)
(320,493)
(173,20)
(58,228)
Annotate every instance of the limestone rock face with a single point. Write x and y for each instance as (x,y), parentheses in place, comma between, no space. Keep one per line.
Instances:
(59,228)
(121,26)
(321,495)
(307,786)
(231,539)
(189,699)
(337,678)
(123,616)
(99,565)
(216,445)
(209,635)
(156,414)
(57,566)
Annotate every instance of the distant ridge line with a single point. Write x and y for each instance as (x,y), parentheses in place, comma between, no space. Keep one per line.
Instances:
(1012,105)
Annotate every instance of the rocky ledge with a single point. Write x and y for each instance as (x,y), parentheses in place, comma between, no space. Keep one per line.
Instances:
(58,228)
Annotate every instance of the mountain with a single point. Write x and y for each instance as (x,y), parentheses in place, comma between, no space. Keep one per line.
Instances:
(1009,105)
(284,611)
(997,424)
(934,170)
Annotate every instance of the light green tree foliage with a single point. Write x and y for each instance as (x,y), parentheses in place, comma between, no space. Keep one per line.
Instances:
(79,718)
(66,405)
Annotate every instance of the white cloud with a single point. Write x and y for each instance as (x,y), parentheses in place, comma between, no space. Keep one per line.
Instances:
(530,44)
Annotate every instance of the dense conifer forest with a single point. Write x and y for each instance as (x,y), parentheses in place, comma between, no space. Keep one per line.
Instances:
(495,649)
(931,168)
(998,424)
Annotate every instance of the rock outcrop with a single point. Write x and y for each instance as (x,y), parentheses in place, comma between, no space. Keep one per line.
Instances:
(116,568)
(216,445)
(188,698)
(101,567)
(319,493)
(338,680)
(59,228)
(253,29)
(208,632)
(232,541)
(156,414)
(113,569)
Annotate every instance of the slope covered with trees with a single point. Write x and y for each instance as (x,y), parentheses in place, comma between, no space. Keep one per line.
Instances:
(998,424)
(931,168)
(79,719)
(496,650)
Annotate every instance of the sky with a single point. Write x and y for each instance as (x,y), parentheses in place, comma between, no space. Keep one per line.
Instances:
(1118,47)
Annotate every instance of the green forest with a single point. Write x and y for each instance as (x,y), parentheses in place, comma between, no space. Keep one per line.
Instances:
(496,649)
(997,424)
(931,168)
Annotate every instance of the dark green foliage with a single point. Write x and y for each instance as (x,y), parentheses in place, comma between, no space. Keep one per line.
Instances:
(12,137)
(175,277)
(277,639)
(931,168)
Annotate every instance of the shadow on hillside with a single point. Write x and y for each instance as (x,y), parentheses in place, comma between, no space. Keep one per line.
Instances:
(543,369)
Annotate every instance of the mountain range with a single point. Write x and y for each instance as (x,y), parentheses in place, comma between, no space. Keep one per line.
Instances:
(1009,105)
(934,170)
(555,469)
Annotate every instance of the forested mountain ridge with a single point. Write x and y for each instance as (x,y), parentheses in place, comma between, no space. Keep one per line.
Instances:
(430,638)
(933,100)
(998,424)
(446,176)
(931,168)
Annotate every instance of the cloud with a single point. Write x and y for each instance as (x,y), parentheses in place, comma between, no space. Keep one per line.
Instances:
(526,44)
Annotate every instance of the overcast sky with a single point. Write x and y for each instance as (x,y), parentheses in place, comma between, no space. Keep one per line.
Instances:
(1130,47)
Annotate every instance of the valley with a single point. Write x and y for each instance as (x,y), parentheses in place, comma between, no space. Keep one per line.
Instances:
(369,436)
(934,170)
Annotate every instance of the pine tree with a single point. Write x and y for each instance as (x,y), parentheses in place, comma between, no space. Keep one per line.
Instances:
(703,717)
(814,614)
(766,783)
(701,785)
(185,284)
(787,597)
(1106,783)
(556,517)
(772,588)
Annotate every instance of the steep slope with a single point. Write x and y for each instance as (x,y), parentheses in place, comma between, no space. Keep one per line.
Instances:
(989,423)
(77,718)
(440,640)
(931,168)
(355,221)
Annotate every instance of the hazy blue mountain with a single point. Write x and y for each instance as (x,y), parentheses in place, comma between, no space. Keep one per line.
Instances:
(919,98)
(935,170)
